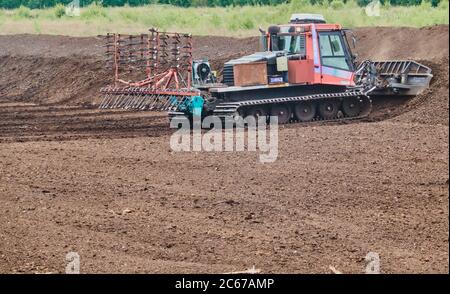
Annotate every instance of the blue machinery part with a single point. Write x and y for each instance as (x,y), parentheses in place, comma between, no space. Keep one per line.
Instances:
(196,106)
(192,105)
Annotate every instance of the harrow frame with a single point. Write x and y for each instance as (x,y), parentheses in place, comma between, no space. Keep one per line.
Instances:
(167,79)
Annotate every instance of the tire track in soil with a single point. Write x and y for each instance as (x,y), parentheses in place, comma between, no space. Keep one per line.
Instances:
(58,124)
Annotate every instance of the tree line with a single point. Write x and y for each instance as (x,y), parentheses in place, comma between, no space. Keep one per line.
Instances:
(33,4)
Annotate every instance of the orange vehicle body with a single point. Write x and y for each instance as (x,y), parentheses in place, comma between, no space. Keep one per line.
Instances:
(310,70)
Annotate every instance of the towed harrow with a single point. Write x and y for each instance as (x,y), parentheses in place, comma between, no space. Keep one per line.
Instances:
(151,71)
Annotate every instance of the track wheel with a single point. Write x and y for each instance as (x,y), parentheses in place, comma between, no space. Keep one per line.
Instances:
(239,113)
(351,106)
(328,109)
(256,111)
(305,111)
(283,111)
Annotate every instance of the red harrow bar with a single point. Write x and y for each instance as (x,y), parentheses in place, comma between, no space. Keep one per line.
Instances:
(151,71)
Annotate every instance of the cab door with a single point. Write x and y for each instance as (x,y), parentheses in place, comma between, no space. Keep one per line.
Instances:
(336,64)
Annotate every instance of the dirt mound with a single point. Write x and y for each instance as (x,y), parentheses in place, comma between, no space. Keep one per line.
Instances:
(50,46)
(382,43)
(63,46)
(51,80)
(430,107)
(428,45)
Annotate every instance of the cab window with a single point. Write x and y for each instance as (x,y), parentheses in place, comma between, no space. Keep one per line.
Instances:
(294,44)
(332,51)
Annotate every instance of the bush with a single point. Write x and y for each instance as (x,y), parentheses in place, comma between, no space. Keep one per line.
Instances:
(337,4)
(93,11)
(129,16)
(23,12)
(248,24)
(299,3)
(443,5)
(435,3)
(405,2)
(363,3)
(216,21)
(33,4)
(199,3)
(59,10)
(37,27)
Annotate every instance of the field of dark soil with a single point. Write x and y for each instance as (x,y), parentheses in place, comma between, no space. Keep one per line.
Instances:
(106,184)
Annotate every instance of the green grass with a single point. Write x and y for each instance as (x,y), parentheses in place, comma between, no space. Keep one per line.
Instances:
(37,27)
(230,21)
(22,13)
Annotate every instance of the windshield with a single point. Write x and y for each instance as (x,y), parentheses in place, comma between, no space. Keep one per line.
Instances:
(332,50)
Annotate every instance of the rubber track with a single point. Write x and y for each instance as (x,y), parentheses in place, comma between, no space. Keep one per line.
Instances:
(228,109)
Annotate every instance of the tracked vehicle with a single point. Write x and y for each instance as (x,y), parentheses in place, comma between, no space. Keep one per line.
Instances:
(305,71)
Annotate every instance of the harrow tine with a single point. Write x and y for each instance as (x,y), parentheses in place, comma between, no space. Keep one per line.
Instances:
(165,101)
(106,100)
(174,105)
(153,101)
(162,102)
(121,100)
(142,99)
(168,102)
(176,102)
(155,105)
(137,101)
(147,101)
(125,100)
(103,103)
(109,103)
(112,100)
(143,102)
(107,97)
(129,100)
(117,101)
